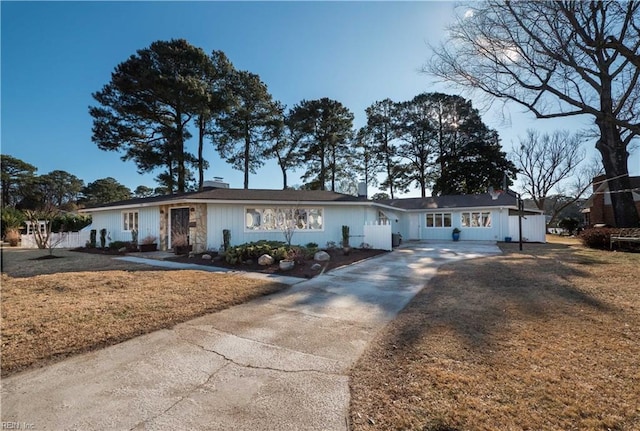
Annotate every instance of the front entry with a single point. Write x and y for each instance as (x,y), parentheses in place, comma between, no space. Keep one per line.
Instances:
(179,227)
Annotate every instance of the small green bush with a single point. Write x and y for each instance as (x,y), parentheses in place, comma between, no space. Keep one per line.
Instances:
(570,224)
(253,250)
(597,237)
(70,222)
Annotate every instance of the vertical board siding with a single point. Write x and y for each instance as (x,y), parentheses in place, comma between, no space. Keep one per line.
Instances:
(378,235)
(59,240)
(533,228)
(494,233)
(232,217)
(148,224)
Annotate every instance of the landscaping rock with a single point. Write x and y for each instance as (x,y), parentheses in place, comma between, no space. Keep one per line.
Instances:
(316,267)
(321,256)
(206,256)
(266,260)
(122,250)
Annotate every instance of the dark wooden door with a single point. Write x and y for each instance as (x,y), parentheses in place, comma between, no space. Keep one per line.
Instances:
(179,226)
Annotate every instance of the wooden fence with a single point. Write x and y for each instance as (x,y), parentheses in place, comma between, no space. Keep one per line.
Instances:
(59,240)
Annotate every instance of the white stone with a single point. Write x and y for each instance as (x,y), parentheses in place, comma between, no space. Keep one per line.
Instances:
(321,256)
(316,267)
(206,256)
(266,260)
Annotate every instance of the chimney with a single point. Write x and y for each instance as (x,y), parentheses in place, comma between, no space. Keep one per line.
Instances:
(216,183)
(362,190)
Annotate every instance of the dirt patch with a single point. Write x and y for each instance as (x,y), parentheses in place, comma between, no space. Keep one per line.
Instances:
(301,269)
(49,317)
(546,338)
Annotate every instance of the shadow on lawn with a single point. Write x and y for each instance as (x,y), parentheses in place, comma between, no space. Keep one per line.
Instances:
(479,299)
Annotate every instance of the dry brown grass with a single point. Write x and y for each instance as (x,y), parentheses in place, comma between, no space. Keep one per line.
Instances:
(49,317)
(546,339)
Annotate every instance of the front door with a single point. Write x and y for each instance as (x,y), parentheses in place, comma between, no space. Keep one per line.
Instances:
(179,227)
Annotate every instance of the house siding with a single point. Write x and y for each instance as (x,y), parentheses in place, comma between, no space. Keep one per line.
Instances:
(232,217)
(148,224)
(497,231)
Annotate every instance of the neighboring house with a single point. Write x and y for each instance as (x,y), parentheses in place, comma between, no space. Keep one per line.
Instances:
(318,216)
(598,210)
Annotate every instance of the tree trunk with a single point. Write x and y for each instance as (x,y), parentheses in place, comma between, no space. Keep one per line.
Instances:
(179,142)
(284,178)
(615,160)
(201,124)
(247,147)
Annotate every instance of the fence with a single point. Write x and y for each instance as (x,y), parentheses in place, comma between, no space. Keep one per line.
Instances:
(533,228)
(378,235)
(59,240)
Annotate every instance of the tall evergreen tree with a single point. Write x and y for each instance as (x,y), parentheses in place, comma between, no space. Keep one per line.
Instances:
(381,119)
(416,129)
(242,133)
(104,191)
(286,142)
(16,177)
(326,126)
(214,104)
(145,109)
(60,189)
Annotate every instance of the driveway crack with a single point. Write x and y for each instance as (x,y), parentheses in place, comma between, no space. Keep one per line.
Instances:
(259,367)
(181,399)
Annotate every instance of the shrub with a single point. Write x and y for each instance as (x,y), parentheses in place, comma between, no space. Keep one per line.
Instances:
(253,250)
(12,219)
(597,237)
(570,224)
(103,238)
(117,245)
(226,238)
(92,238)
(70,222)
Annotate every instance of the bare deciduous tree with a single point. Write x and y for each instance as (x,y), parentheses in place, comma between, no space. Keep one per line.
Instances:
(557,59)
(46,239)
(545,160)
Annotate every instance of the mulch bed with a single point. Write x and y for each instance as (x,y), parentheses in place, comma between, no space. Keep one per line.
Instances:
(303,270)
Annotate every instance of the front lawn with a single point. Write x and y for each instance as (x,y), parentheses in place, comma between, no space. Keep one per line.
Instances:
(49,317)
(544,339)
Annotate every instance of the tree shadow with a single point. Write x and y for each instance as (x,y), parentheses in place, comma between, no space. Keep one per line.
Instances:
(479,299)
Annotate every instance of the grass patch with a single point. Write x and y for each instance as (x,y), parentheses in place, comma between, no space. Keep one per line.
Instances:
(547,338)
(49,317)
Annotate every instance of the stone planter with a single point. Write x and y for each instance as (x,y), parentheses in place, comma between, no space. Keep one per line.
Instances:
(286,265)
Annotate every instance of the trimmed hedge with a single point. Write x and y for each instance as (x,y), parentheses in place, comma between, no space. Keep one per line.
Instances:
(598,237)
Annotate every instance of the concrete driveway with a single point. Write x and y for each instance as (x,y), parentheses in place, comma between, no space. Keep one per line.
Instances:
(277,363)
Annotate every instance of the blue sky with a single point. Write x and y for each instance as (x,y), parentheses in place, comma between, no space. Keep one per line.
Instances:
(55,54)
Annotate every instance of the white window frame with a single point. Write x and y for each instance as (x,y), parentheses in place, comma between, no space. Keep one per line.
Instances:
(274,218)
(126,220)
(476,219)
(442,217)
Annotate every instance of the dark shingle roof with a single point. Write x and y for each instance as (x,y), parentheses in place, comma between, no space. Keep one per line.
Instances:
(451,201)
(242,195)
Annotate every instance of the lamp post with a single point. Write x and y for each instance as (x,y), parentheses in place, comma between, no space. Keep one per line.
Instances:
(520,214)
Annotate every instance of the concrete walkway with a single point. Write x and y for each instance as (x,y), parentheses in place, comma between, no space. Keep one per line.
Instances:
(276,363)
